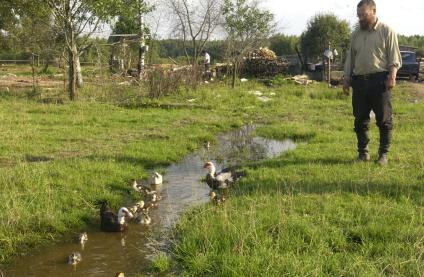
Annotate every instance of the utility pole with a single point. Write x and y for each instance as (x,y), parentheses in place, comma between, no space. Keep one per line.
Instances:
(142,49)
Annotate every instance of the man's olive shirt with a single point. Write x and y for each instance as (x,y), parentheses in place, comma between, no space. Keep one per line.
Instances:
(372,51)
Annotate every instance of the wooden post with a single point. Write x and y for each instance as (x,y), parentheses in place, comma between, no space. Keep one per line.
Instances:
(329,65)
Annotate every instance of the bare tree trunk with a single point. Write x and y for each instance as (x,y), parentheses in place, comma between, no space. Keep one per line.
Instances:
(78,72)
(233,83)
(46,65)
(142,48)
(72,85)
(33,73)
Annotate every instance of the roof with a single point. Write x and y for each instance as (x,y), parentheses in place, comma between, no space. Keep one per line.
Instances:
(117,38)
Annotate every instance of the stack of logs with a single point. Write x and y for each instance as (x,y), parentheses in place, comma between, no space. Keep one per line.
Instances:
(263,62)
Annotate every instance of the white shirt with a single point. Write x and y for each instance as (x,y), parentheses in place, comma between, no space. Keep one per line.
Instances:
(207,58)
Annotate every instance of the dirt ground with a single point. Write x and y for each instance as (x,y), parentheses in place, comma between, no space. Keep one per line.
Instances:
(418,90)
(24,82)
(20,76)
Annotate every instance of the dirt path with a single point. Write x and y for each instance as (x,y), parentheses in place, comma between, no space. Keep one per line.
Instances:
(13,81)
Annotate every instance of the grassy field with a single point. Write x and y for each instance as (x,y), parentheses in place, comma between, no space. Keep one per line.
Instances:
(313,211)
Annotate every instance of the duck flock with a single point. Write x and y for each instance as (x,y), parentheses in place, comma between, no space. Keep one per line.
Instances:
(218,182)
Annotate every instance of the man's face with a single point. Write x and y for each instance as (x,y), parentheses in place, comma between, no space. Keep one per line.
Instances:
(366,16)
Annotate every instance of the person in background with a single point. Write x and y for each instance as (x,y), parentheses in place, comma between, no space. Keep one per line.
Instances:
(370,69)
(206,60)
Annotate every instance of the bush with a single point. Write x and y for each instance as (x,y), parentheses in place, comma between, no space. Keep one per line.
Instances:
(161,82)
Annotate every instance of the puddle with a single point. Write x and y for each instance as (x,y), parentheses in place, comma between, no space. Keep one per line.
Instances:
(105,254)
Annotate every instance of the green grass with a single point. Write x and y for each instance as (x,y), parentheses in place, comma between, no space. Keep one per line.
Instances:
(312,211)
(315,211)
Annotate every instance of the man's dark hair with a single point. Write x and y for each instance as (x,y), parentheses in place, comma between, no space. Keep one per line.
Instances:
(369,3)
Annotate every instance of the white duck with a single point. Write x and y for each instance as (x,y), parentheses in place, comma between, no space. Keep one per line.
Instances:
(156,179)
(110,222)
(223,179)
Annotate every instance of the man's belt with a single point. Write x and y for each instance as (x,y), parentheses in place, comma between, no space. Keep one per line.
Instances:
(370,76)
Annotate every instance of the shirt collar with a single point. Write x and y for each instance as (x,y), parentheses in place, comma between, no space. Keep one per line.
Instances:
(377,23)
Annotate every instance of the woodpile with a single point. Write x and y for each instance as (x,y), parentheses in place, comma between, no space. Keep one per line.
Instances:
(263,62)
(263,53)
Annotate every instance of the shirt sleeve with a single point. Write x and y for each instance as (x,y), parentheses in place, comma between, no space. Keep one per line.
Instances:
(393,53)
(348,63)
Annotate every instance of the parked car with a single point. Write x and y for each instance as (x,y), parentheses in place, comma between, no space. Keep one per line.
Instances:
(410,65)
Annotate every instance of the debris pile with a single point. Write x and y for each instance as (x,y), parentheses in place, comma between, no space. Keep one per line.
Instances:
(263,62)
(301,80)
(263,53)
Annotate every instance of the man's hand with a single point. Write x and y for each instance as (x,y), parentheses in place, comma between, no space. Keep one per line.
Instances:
(346,86)
(391,79)
(390,82)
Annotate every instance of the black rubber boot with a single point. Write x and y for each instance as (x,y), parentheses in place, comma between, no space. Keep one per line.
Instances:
(363,140)
(385,141)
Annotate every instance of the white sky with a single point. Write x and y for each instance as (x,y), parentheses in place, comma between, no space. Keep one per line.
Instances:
(406,17)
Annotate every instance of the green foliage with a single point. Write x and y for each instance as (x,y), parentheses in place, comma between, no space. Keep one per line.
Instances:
(283,44)
(7,15)
(161,262)
(246,24)
(321,30)
(415,41)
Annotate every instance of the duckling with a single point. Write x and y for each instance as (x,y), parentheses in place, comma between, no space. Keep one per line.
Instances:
(153,199)
(143,189)
(144,218)
(156,179)
(120,274)
(74,258)
(137,187)
(137,207)
(82,239)
(217,200)
(149,205)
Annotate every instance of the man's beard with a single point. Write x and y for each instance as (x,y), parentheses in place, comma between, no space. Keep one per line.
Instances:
(365,24)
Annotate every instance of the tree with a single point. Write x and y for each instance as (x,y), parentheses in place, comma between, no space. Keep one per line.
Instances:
(196,21)
(78,20)
(7,14)
(247,27)
(321,30)
(30,29)
(131,21)
(283,45)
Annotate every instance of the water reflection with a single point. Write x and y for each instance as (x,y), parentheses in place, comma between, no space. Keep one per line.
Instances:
(242,146)
(105,254)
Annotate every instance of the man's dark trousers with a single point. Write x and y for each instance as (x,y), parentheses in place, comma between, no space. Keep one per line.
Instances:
(370,93)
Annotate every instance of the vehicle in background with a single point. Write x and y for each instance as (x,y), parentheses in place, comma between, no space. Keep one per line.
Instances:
(410,65)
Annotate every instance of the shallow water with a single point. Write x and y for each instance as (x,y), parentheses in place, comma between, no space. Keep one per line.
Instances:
(105,254)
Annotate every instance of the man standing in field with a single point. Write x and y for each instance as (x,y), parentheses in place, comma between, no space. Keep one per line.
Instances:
(206,60)
(371,66)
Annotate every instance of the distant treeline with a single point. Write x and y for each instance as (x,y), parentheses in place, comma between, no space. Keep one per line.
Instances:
(161,50)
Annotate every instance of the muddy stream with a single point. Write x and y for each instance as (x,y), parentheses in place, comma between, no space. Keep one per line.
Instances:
(104,254)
